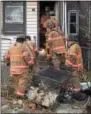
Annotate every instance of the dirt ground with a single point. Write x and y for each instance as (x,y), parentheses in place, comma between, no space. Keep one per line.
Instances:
(6,107)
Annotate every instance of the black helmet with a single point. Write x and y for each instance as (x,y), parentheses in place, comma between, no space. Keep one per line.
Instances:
(20,38)
(28,37)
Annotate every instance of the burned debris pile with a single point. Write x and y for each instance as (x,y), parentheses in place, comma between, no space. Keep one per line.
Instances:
(46,86)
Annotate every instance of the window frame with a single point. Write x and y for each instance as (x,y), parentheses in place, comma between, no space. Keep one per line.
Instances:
(90,21)
(24,20)
(77,22)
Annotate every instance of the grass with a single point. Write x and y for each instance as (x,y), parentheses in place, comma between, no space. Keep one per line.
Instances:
(88,73)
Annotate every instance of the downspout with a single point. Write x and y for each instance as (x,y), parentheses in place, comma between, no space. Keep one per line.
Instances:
(0,43)
(89,39)
(65,22)
(63,19)
(65,15)
(38,25)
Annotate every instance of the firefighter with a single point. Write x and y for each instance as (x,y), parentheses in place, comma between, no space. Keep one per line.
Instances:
(55,44)
(74,60)
(20,60)
(31,46)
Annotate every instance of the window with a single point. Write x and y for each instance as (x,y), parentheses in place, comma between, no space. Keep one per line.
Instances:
(73,22)
(14,17)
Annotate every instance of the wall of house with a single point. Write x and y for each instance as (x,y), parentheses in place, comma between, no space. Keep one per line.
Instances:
(12,38)
(61,21)
(31,27)
(6,41)
(0,16)
(83,7)
(84,22)
(31,20)
(72,5)
(84,32)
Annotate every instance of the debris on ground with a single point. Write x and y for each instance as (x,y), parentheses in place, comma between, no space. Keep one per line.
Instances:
(26,106)
(12,105)
(42,97)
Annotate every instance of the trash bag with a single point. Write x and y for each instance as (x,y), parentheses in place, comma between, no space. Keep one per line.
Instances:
(51,78)
(80,96)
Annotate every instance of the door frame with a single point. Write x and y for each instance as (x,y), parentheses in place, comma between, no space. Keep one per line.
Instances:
(38,19)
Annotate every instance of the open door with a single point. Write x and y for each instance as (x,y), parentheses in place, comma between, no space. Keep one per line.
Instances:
(46,7)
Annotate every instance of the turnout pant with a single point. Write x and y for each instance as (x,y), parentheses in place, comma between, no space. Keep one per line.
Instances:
(57,60)
(21,82)
(75,81)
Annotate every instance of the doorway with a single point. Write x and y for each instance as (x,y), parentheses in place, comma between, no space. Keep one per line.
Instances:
(46,8)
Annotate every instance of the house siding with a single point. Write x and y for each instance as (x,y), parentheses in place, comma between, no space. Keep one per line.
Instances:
(84,31)
(31,20)
(72,6)
(5,44)
(31,27)
(84,22)
(82,37)
(83,8)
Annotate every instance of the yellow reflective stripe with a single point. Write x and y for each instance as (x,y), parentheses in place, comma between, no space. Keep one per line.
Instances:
(20,55)
(78,65)
(52,39)
(31,62)
(60,47)
(69,63)
(19,67)
(20,93)
(74,54)
(32,58)
(75,89)
(73,65)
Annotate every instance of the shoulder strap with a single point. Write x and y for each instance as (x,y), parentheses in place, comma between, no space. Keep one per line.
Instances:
(29,48)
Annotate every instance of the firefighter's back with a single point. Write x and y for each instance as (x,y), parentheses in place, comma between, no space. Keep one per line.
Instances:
(78,52)
(17,62)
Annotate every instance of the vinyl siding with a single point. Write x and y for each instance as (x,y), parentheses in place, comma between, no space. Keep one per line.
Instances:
(31,20)
(31,27)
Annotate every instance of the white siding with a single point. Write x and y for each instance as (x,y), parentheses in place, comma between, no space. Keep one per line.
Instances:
(1,17)
(5,45)
(6,40)
(31,27)
(31,20)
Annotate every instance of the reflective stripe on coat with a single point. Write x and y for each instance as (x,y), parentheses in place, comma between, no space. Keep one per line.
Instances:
(75,52)
(56,42)
(20,58)
(17,62)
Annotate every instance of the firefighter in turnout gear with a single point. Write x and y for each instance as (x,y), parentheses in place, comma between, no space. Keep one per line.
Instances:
(75,61)
(20,60)
(31,47)
(31,44)
(55,45)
